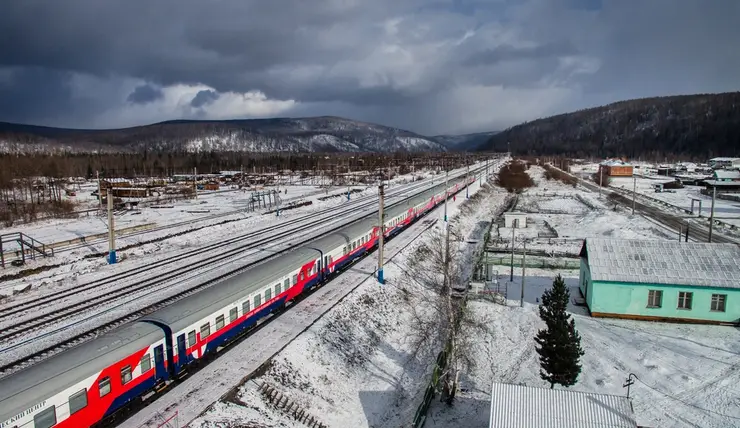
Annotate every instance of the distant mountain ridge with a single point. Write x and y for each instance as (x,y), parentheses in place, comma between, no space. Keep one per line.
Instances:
(311,134)
(464,142)
(701,126)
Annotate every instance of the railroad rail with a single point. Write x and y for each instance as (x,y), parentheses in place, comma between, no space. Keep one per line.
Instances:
(38,355)
(699,232)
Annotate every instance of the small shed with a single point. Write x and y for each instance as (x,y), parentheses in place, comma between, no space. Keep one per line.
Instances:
(515,219)
(661,280)
(530,407)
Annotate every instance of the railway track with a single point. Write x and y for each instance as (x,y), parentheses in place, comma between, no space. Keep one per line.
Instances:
(699,233)
(207,218)
(41,354)
(205,256)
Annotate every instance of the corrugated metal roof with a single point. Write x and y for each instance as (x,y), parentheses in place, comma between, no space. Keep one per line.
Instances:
(664,262)
(516,406)
(730,174)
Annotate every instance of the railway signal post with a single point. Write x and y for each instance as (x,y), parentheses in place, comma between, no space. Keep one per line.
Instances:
(381,229)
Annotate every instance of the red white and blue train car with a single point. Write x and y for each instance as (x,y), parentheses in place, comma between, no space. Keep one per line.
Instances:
(88,384)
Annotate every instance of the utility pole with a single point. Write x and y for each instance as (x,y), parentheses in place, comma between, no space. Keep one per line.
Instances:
(634,190)
(711,213)
(513,228)
(381,229)
(601,179)
(195,181)
(467,182)
(100,194)
(524,270)
(111,228)
(447,176)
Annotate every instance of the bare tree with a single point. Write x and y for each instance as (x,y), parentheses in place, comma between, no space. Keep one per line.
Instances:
(439,319)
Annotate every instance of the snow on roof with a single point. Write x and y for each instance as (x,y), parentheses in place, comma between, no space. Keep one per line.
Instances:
(725,159)
(722,183)
(614,162)
(528,407)
(663,262)
(727,174)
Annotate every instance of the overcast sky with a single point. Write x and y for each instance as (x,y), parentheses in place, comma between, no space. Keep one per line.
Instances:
(430,66)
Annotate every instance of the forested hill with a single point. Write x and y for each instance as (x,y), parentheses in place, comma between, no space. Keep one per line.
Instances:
(308,134)
(689,125)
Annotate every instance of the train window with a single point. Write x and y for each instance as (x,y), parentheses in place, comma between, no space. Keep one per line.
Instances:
(125,375)
(219,322)
(46,418)
(245,307)
(191,338)
(344,250)
(295,279)
(303,276)
(286,284)
(104,386)
(277,289)
(257,301)
(233,314)
(268,295)
(146,362)
(77,401)
(205,330)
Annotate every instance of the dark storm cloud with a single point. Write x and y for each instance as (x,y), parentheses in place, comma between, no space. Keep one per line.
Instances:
(145,94)
(428,66)
(510,53)
(203,98)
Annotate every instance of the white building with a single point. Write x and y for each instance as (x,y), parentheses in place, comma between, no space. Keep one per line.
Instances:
(724,162)
(512,217)
(517,406)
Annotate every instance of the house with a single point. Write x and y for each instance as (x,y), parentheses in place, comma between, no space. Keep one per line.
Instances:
(720,186)
(514,219)
(617,168)
(724,162)
(726,175)
(661,280)
(529,407)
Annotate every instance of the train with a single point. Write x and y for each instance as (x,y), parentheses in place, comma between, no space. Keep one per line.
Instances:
(95,383)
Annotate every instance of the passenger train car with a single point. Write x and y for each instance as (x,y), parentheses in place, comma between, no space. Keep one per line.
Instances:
(89,384)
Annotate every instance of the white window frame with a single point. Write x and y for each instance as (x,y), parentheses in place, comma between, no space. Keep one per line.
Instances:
(718,299)
(652,298)
(683,298)
(127,375)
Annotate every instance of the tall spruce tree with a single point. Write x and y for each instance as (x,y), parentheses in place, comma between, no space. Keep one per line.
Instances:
(559,345)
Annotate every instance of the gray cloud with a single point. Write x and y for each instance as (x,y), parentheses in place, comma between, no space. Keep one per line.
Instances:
(204,97)
(145,94)
(429,66)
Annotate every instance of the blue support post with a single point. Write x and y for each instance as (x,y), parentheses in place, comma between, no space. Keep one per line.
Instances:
(380,276)
(112,257)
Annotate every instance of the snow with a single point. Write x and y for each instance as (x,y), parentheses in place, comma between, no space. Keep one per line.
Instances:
(369,379)
(688,367)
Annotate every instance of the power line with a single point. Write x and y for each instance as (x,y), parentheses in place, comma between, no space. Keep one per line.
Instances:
(686,403)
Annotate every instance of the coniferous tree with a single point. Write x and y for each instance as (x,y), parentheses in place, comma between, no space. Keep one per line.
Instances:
(559,345)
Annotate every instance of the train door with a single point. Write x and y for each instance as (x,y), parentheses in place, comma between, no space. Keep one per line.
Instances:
(159,368)
(182,355)
(326,265)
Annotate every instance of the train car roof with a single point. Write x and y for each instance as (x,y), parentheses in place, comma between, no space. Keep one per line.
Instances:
(27,387)
(191,309)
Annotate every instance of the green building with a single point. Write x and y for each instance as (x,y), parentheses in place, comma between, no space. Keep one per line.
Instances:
(661,280)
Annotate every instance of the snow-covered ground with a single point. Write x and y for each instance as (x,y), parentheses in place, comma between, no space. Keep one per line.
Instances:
(353,366)
(724,210)
(349,368)
(689,374)
(575,214)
